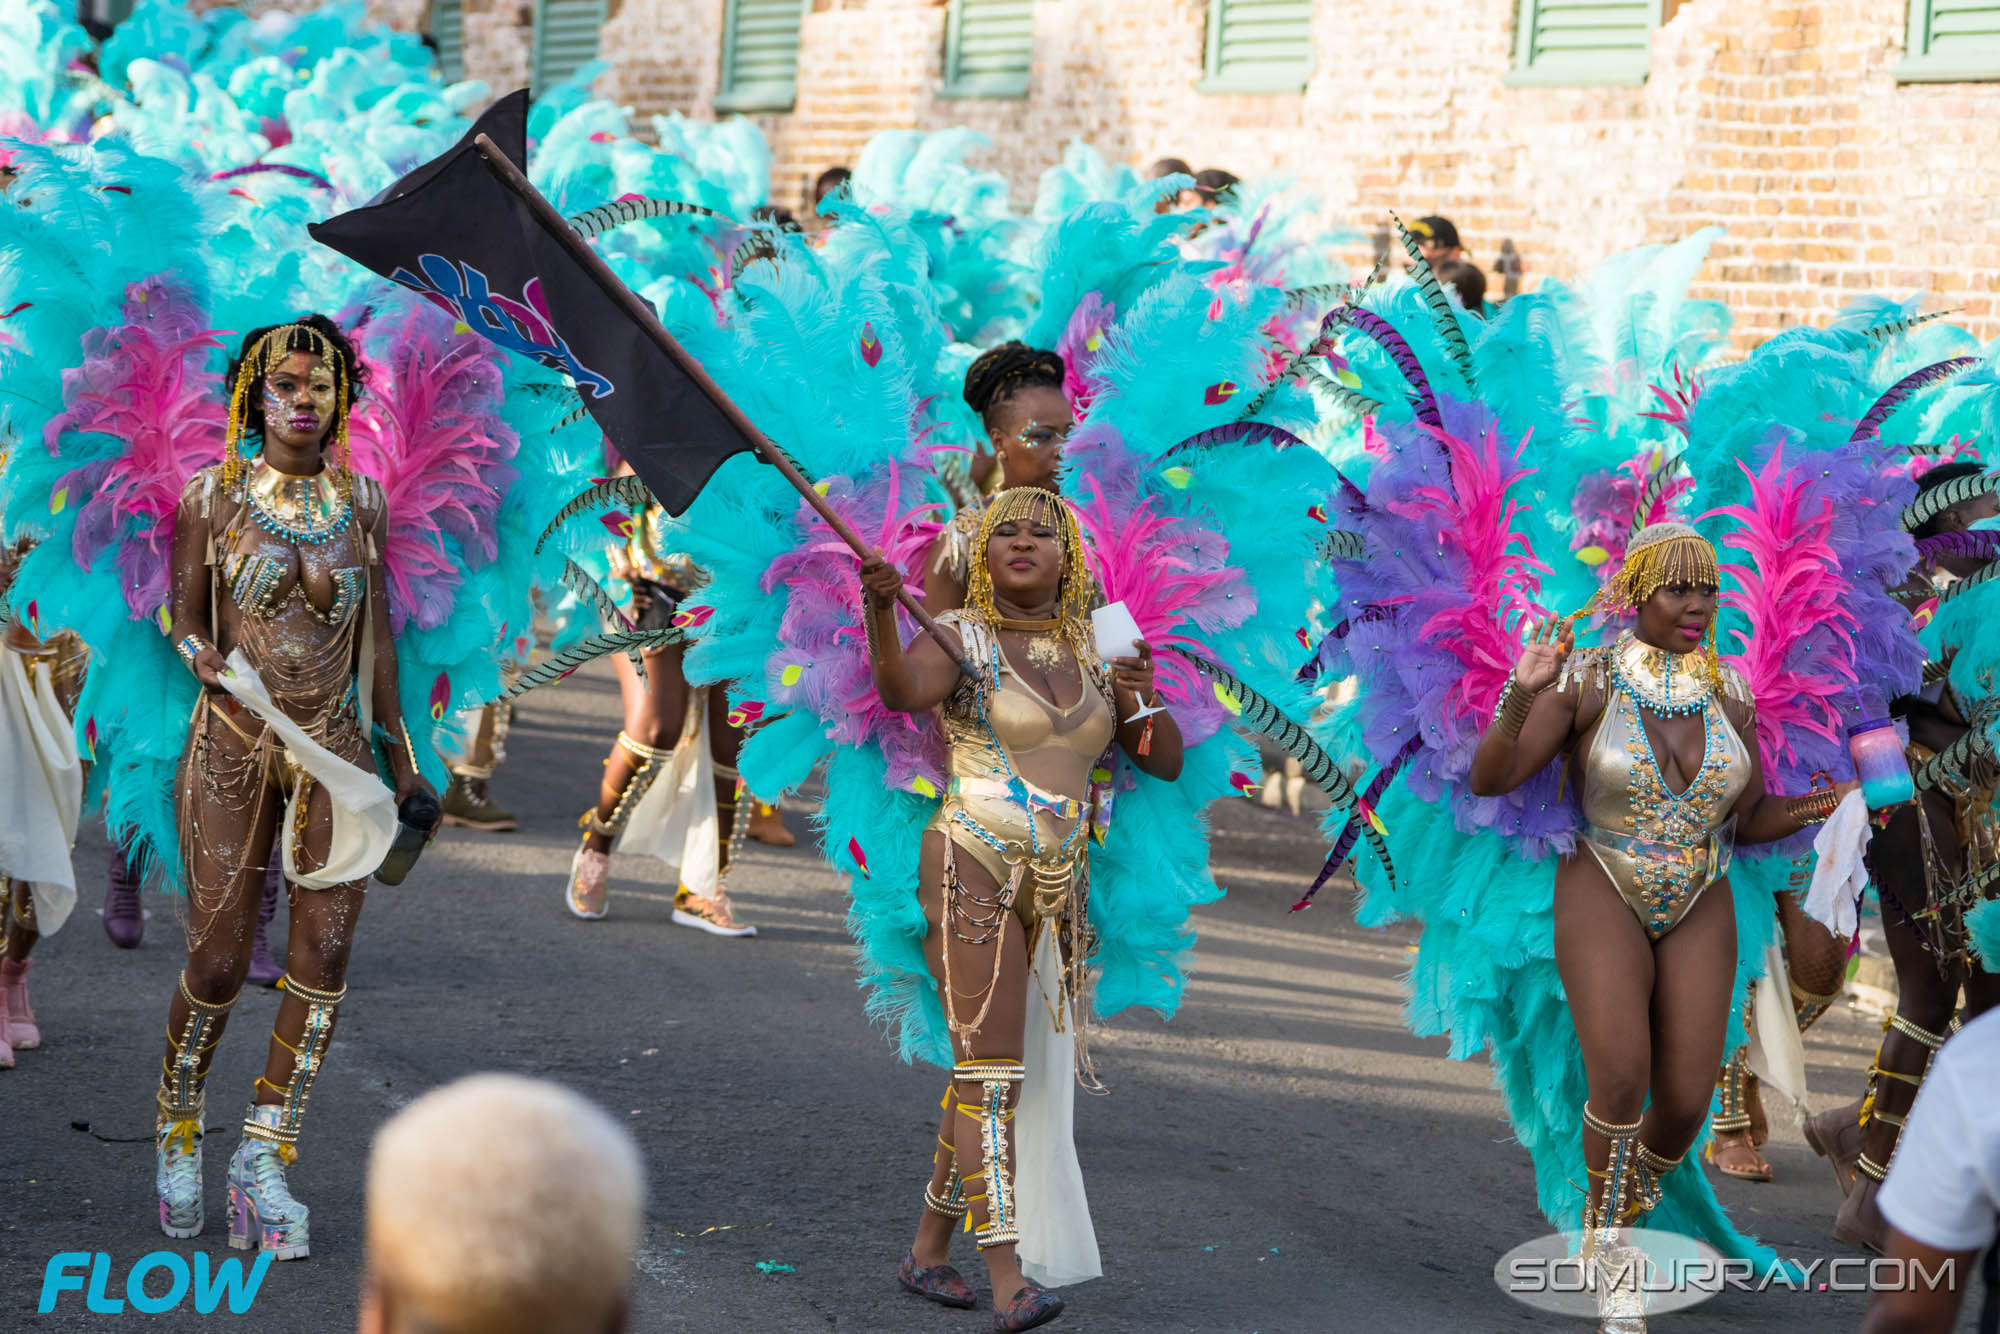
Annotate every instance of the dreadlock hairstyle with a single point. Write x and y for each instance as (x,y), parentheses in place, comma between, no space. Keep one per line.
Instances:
(1001,372)
(266,347)
(1660,556)
(1076,591)
(1935,478)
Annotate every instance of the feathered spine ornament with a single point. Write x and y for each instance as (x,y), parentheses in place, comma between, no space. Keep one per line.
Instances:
(1168,366)
(781,617)
(1772,444)
(432,434)
(1436,608)
(1797,648)
(143,390)
(1485,970)
(102,271)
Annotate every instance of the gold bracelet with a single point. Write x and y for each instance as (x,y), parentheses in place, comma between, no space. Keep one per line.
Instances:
(1510,713)
(1816,807)
(868,632)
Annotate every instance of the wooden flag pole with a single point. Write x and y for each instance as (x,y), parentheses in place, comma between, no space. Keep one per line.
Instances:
(643,315)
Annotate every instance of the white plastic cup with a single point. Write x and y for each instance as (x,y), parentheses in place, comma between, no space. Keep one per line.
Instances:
(1116,633)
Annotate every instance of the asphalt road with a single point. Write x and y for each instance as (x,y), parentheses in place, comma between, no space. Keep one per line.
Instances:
(1283,1156)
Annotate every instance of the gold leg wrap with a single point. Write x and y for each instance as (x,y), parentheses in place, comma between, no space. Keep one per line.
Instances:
(1653,1170)
(1617,1269)
(650,760)
(952,1204)
(307,1058)
(182,1075)
(1731,1105)
(1807,1007)
(996,1080)
(1876,1074)
(1615,1203)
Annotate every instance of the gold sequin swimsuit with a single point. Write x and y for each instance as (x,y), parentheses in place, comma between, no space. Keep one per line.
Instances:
(1660,848)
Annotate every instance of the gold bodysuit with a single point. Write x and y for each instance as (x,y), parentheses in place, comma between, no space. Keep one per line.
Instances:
(1018,791)
(1660,848)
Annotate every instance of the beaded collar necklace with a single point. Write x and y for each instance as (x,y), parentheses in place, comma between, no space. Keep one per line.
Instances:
(1672,685)
(308,510)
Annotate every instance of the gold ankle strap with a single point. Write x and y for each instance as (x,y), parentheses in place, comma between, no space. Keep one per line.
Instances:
(1911,1031)
(953,1208)
(1608,1129)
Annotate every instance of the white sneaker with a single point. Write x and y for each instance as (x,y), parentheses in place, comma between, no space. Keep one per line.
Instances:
(177,1177)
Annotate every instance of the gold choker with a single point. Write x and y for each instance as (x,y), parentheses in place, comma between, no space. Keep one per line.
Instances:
(310,510)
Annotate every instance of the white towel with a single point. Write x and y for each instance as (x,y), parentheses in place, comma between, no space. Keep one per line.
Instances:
(1058,1244)
(364,809)
(1834,897)
(41,797)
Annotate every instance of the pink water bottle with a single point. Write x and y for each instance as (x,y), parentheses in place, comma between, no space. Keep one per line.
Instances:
(1880,764)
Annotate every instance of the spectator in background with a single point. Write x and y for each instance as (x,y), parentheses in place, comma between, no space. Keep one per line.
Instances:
(775,215)
(1942,1195)
(1192,197)
(501,1205)
(1437,239)
(831,180)
(1465,279)
(1217,186)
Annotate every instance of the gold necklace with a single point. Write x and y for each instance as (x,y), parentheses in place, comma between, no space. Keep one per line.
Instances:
(1670,684)
(309,510)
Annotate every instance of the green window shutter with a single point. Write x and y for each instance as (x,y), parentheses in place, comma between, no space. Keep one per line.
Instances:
(760,55)
(565,39)
(989,48)
(1952,41)
(448,31)
(1258,46)
(1582,43)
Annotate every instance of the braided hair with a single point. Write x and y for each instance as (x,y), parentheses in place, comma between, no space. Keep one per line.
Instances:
(1001,372)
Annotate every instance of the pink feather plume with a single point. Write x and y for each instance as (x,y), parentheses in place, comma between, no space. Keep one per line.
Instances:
(429,430)
(1796,656)
(141,382)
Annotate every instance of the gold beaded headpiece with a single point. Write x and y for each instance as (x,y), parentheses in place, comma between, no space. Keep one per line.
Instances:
(1661,555)
(1032,504)
(256,364)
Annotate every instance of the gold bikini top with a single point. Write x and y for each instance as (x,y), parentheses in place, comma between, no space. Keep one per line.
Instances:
(304,511)
(1004,727)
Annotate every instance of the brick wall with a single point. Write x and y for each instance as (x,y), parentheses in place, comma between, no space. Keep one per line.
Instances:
(1780,119)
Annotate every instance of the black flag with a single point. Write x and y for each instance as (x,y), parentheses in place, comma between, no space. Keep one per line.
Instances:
(454,232)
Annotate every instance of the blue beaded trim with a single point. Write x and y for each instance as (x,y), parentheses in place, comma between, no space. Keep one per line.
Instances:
(314,537)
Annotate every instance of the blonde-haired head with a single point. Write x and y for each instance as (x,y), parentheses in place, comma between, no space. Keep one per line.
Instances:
(503,1205)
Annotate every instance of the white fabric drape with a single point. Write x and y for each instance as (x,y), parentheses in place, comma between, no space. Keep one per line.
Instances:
(1058,1244)
(364,809)
(675,820)
(1776,1055)
(41,788)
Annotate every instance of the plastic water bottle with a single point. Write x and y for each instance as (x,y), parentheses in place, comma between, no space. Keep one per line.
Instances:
(1880,764)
